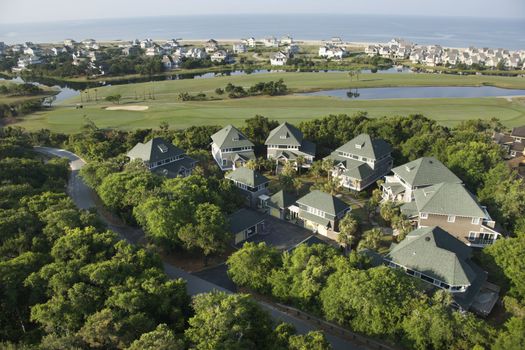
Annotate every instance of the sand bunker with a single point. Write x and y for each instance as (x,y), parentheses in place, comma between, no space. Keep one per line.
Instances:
(127,108)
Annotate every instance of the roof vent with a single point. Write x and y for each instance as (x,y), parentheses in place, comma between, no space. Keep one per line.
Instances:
(427,239)
(359,145)
(408,168)
(163,148)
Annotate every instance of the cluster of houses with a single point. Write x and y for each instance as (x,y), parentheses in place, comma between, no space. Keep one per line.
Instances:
(448,220)
(435,55)
(513,144)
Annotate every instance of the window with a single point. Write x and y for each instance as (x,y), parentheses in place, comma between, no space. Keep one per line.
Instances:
(472,235)
(475,221)
(315,211)
(451,218)
(423,215)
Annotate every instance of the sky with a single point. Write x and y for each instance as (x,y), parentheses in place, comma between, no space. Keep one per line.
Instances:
(17,11)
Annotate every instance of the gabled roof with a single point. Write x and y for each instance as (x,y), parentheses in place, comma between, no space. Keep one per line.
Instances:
(154,150)
(436,253)
(425,171)
(230,137)
(285,134)
(363,145)
(518,131)
(323,201)
(447,199)
(282,199)
(244,219)
(352,168)
(247,176)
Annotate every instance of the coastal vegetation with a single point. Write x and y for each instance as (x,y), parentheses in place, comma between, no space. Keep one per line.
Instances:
(19,99)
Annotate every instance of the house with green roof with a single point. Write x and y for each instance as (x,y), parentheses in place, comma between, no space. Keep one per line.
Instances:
(231,148)
(419,173)
(361,161)
(320,212)
(279,204)
(163,158)
(246,223)
(285,144)
(252,184)
(438,258)
(452,207)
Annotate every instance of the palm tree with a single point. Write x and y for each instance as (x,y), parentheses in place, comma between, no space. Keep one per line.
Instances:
(299,161)
(371,239)
(327,165)
(348,227)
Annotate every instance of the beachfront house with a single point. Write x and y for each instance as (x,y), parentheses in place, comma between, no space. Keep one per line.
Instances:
(279,59)
(286,144)
(331,52)
(211,46)
(452,207)
(221,56)
(361,161)
(419,173)
(252,185)
(231,148)
(163,158)
(438,258)
(320,212)
(270,42)
(239,48)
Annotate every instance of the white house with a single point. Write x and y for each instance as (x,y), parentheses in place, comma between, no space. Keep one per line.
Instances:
(286,40)
(279,59)
(239,48)
(270,42)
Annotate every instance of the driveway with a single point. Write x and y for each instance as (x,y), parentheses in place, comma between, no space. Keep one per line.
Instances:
(84,197)
(280,234)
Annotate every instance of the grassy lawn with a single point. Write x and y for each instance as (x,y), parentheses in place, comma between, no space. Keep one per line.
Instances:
(168,90)
(290,108)
(163,105)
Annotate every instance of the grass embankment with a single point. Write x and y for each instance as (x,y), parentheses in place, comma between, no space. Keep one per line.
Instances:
(167,107)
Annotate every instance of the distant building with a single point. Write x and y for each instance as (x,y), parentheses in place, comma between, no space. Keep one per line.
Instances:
(221,56)
(279,59)
(239,48)
(270,42)
(513,143)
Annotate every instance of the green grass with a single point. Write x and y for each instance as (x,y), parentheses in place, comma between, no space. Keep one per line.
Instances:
(293,108)
(169,89)
(290,108)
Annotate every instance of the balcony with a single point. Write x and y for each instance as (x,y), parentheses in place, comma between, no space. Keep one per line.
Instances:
(480,242)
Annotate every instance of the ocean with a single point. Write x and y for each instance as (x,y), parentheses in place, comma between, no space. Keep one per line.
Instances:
(445,31)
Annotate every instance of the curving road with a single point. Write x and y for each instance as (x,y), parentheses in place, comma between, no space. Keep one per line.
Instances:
(85,198)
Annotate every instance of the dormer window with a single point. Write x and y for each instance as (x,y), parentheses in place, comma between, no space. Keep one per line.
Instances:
(285,136)
(163,148)
(359,145)
(407,168)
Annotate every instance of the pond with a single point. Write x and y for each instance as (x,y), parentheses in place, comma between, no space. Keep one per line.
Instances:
(72,89)
(417,92)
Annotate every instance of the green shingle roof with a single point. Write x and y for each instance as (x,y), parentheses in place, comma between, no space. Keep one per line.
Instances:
(323,201)
(230,137)
(285,134)
(425,171)
(172,169)
(447,199)
(363,145)
(437,254)
(244,219)
(154,150)
(282,199)
(247,176)
(353,168)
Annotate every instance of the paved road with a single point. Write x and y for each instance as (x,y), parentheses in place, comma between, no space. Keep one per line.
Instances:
(85,198)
